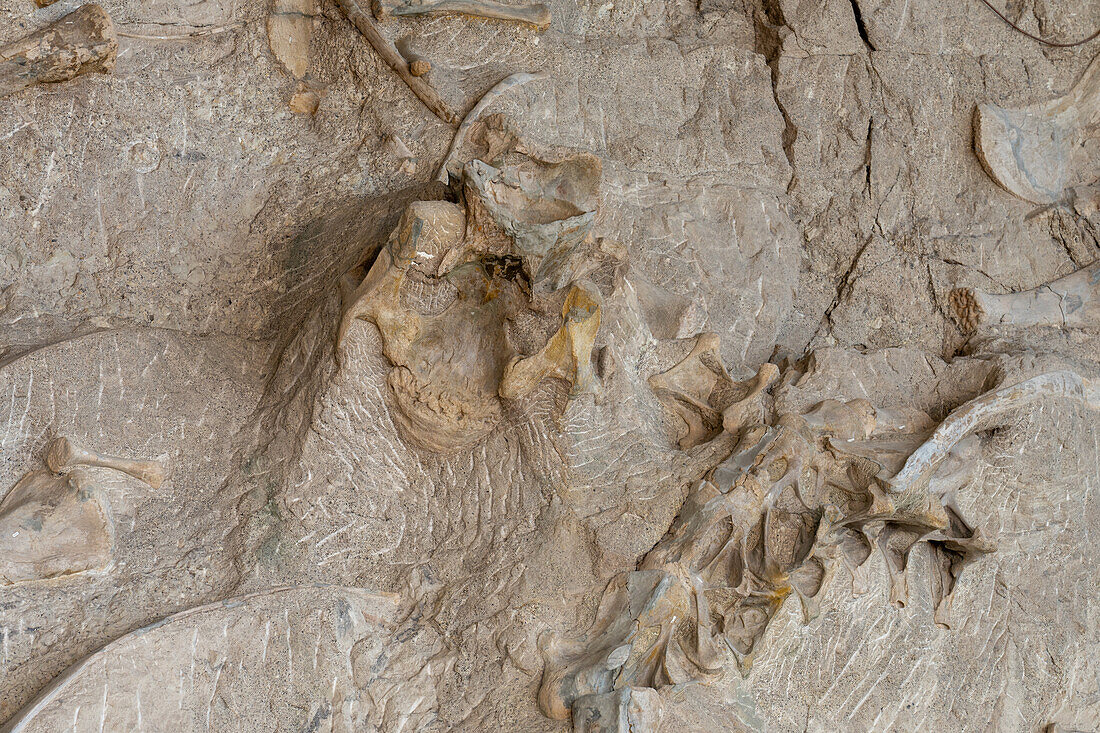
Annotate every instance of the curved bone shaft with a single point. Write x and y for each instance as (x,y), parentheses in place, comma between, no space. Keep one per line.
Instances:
(568,353)
(979,412)
(536,14)
(389,53)
(509,82)
(1070,301)
(64,453)
(82,41)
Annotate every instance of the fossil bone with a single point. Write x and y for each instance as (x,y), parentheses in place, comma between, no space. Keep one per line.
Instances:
(54,522)
(772,521)
(535,14)
(81,42)
(441,293)
(568,353)
(509,82)
(389,53)
(1072,301)
(289,26)
(704,396)
(1036,152)
(63,453)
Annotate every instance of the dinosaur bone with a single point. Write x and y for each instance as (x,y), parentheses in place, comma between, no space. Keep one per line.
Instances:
(771,521)
(64,454)
(55,522)
(568,353)
(979,412)
(81,42)
(509,82)
(389,53)
(1036,152)
(1070,301)
(536,14)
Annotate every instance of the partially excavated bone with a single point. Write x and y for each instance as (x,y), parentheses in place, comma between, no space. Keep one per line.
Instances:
(1072,301)
(55,522)
(289,26)
(535,14)
(475,114)
(81,42)
(773,520)
(568,353)
(64,454)
(707,400)
(1037,152)
(385,48)
(328,653)
(450,281)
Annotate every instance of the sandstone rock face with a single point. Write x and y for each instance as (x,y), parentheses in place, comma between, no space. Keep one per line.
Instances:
(447,365)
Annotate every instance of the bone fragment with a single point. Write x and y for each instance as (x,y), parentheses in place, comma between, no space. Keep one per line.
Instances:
(1036,152)
(64,454)
(80,42)
(476,113)
(621,711)
(1072,301)
(289,26)
(535,14)
(389,53)
(568,353)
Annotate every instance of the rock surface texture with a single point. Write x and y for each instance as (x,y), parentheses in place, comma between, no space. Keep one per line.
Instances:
(477,365)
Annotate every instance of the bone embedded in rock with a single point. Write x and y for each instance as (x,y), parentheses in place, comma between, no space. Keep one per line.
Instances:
(83,41)
(385,48)
(627,710)
(1072,301)
(475,114)
(568,353)
(289,26)
(52,526)
(64,454)
(1037,152)
(534,14)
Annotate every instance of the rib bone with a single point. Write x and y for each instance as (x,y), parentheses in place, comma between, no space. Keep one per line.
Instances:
(979,412)
(389,53)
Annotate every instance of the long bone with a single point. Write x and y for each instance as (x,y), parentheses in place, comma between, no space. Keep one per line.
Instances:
(389,53)
(535,14)
(64,454)
(1071,301)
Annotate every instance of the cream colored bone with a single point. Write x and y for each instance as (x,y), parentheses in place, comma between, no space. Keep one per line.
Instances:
(791,502)
(568,353)
(702,393)
(980,412)
(385,48)
(1037,152)
(64,454)
(81,42)
(1072,301)
(289,26)
(535,14)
